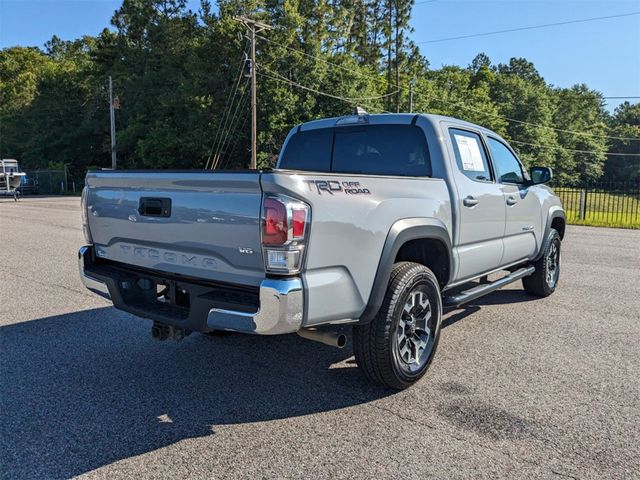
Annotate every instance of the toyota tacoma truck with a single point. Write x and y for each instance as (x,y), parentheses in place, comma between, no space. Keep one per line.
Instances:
(374,221)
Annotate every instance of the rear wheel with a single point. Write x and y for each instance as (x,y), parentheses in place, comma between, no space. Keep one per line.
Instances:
(544,280)
(396,348)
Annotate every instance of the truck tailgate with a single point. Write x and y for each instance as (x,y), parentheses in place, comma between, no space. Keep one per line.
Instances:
(195,223)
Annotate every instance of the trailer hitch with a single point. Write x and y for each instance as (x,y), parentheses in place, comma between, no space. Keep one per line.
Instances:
(160,332)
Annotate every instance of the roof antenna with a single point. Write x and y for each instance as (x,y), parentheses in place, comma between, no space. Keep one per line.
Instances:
(360,111)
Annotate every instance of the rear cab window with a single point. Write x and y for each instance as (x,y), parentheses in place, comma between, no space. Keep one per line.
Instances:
(309,150)
(395,150)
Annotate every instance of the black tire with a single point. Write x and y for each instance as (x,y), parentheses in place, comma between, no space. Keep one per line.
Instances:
(377,345)
(544,280)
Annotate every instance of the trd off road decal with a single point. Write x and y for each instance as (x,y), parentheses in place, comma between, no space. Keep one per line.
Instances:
(337,186)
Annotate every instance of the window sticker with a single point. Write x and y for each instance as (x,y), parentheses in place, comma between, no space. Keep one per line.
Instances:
(470,153)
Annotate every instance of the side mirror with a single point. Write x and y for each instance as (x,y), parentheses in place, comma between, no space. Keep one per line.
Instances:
(541,175)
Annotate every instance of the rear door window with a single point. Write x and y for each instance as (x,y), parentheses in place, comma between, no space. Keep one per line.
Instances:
(399,150)
(470,155)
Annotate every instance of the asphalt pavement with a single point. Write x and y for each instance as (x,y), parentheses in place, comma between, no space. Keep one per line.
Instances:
(520,387)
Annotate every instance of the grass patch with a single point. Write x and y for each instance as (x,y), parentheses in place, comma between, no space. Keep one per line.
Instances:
(596,220)
(602,209)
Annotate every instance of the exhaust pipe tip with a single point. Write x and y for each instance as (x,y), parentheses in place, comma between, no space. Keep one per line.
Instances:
(156,333)
(333,339)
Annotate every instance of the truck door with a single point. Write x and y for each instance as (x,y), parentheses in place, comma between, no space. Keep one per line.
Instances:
(523,227)
(481,207)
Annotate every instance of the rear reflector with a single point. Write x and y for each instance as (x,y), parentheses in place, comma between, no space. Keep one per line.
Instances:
(299,220)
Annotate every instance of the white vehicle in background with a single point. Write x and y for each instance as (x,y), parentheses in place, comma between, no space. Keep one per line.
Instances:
(11,177)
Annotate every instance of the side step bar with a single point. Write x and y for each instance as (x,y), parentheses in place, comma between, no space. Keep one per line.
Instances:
(477,292)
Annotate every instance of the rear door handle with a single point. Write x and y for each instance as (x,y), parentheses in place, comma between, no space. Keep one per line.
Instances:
(469,201)
(511,201)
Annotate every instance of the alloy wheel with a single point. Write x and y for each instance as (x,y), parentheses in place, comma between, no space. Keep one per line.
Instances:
(553,264)
(415,330)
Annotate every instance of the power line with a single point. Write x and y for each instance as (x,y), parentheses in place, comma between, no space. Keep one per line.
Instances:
(541,145)
(226,131)
(233,142)
(623,98)
(513,120)
(315,57)
(221,159)
(225,113)
(232,129)
(350,99)
(531,27)
(522,122)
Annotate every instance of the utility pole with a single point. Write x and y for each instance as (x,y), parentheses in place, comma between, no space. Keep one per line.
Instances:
(254,103)
(66,178)
(397,58)
(253,27)
(412,84)
(390,43)
(113,125)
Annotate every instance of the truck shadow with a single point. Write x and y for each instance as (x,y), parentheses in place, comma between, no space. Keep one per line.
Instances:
(499,297)
(503,297)
(85,389)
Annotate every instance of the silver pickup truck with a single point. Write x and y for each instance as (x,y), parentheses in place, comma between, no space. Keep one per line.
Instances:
(377,221)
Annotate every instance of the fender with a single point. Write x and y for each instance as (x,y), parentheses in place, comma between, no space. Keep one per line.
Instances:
(401,232)
(554,212)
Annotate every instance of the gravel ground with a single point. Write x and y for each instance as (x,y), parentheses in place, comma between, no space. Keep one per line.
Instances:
(520,387)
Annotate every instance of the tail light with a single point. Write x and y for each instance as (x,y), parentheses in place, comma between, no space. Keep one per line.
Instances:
(285,224)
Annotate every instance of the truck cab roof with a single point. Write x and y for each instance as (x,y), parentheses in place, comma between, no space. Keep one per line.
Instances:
(388,118)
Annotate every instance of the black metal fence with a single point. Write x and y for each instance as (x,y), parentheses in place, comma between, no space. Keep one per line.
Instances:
(52,182)
(602,204)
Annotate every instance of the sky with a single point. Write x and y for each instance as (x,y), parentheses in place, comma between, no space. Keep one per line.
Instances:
(604,54)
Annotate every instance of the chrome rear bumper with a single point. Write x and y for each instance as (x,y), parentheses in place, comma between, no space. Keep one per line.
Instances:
(280,310)
(93,284)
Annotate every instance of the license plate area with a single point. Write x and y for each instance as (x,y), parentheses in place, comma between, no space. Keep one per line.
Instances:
(168,298)
(172,293)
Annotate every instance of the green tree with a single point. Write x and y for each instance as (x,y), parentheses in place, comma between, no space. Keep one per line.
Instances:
(625,124)
(523,97)
(579,109)
(178,79)
(20,72)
